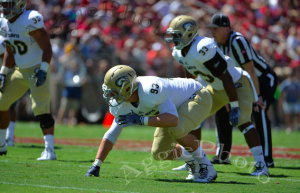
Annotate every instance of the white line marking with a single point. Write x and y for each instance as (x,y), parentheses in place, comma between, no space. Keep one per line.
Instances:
(57,187)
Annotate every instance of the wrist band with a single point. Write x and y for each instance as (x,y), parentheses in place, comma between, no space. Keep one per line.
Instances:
(44,66)
(234,104)
(97,162)
(4,70)
(146,119)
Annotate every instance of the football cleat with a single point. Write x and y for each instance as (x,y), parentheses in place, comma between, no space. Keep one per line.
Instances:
(93,171)
(184,167)
(260,170)
(207,174)
(193,170)
(47,154)
(216,160)
(10,142)
(3,149)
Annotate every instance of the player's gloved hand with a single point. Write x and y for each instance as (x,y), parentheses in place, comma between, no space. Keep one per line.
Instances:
(94,169)
(234,114)
(40,78)
(41,74)
(3,72)
(133,119)
(2,82)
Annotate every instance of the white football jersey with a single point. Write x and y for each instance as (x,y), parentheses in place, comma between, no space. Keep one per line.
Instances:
(206,60)
(27,52)
(154,92)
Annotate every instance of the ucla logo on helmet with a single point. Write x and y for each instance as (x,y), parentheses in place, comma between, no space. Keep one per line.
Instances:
(188,25)
(121,80)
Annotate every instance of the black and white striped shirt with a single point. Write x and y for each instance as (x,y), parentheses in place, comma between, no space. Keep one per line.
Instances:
(241,51)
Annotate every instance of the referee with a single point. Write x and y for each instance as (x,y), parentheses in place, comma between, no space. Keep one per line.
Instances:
(235,45)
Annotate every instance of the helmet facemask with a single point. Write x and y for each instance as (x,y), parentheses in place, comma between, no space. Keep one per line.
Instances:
(184,30)
(114,97)
(179,39)
(11,8)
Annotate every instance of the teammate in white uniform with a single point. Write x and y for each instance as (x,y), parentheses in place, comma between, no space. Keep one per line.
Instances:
(28,48)
(12,111)
(171,105)
(227,84)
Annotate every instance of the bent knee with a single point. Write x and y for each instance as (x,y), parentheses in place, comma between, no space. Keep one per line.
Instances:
(160,155)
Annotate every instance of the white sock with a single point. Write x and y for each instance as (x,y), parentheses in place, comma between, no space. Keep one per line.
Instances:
(258,154)
(200,156)
(10,130)
(185,155)
(2,136)
(97,162)
(49,141)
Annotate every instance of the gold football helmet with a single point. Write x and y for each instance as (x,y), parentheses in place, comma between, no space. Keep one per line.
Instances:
(184,29)
(11,8)
(119,83)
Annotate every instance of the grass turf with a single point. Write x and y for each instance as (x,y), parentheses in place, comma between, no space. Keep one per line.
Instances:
(131,171)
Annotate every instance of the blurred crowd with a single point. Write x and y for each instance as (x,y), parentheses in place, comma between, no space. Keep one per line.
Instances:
(95,35)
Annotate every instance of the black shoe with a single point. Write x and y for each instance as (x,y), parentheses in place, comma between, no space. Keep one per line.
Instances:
(216,160)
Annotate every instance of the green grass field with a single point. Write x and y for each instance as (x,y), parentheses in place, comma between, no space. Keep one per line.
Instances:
(123,171)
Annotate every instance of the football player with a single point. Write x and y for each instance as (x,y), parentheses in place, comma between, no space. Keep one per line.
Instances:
(154,101)
(28,46)
(201,57)
(12,109)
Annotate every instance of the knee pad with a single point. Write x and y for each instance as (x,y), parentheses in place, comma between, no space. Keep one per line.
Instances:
(46,121)
(247,129)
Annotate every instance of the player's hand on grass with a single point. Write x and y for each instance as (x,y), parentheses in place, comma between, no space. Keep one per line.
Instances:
(93,171)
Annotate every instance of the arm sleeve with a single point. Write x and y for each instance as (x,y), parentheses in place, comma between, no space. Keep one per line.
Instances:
(243,49)
(168,107)
(216,65)
(114,132)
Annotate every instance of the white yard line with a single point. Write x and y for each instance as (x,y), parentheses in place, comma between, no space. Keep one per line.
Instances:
(58,187)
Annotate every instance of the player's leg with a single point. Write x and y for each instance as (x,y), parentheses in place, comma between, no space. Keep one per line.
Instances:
(40,97)
(245,95)
(188,120)
(11,127)
(197,133)
(9,96)
(224,137)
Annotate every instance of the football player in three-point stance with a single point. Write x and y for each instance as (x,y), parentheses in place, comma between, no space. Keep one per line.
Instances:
(201,57)
(28,46)
(154,101)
